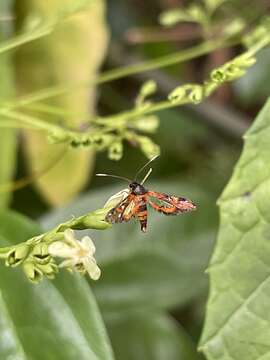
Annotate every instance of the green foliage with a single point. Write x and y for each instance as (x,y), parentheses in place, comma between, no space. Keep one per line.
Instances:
(237,322)
(150,336)
(144,276)
(47,321)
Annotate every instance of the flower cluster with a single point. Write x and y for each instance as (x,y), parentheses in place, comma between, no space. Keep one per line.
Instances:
(78,254)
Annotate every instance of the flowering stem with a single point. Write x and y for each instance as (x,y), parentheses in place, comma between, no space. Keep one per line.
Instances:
(33,254)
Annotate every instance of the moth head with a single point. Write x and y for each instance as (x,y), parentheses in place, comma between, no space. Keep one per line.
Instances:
(137,189)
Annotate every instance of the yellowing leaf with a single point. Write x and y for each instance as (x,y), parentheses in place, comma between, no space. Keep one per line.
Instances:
(8,137)
(71,54)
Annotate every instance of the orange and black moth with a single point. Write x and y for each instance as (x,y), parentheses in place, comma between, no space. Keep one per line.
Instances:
(134,205)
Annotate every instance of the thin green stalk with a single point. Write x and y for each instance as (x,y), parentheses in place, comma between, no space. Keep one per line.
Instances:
(55,110)
(118,73)
(4,251)
(24,38)
(30,120)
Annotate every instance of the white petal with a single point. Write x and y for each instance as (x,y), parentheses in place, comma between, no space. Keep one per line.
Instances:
(92,268)
(70,263)
(61,249)
(70,237)
(116,198)
(88,245)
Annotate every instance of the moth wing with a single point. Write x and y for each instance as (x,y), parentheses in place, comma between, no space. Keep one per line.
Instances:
(117,198)
(169,204)
(124,211)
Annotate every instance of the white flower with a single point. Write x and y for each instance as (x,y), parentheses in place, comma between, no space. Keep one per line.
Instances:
(79,254)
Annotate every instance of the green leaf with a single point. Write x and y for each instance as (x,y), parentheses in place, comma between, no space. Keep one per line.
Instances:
(53,320)
(150,336)
(153,269)
(238,322)
(8,139)
(70,55)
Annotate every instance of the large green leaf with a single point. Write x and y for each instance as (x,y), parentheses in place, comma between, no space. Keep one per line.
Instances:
(153,269)
(71,54)
(53,320)
(238,321)
(7,136)
(150,336)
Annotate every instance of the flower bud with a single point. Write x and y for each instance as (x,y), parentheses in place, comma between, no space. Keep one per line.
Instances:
(17,255)
(196,94)
(178,94)
(58,136)
(40,253)
(49,270)
(148,124)
(32,272)
(148,147)
(218,75)
(148,88)
(115,151)
(95,221)
(102,141)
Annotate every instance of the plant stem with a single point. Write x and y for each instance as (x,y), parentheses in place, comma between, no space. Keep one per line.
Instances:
(118,73)
(4,251)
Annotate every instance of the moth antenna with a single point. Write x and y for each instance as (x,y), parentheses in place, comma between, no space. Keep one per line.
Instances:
(146,176)
(116,177)
(144,166)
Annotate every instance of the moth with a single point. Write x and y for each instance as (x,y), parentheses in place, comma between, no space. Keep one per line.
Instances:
(137,197)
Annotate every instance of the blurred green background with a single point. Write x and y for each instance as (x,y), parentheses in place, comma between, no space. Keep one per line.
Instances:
(153,288)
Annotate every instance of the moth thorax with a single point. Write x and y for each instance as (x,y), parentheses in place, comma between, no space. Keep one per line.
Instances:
(137,188)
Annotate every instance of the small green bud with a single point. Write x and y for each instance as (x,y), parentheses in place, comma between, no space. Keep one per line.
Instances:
(196,13)
(58,136)
(32,272)
(49,270)
(177,95)
(94,221)
(148,124)
(252,38)
(173,16)
(148,147)
(102,141)
(17,255)
(234,27)
(244,61)
(196,94)
(40,253)
(218,76)
(212,5)
(115,151)
(148,88)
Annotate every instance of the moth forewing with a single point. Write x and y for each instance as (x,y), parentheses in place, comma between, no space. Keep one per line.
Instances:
(115,199)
